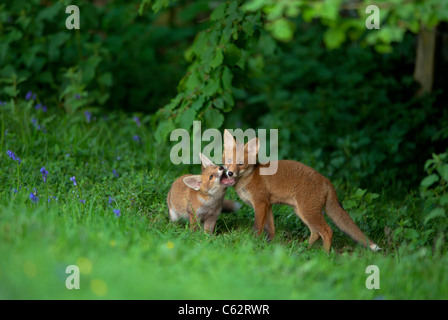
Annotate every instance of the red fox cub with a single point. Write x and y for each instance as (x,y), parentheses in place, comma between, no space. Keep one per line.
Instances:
(294,184)
(201,197)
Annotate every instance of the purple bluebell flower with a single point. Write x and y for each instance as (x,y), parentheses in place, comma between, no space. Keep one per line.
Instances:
(30,95)
(44,173)
(82,201)
(111,200)
(13,156)
(15,190)
(77,96)
(73,179)
(41,106)
(38,126)
(34,198)
(115,173)
(117,212)
(136,138)
(88,116)
(137,121)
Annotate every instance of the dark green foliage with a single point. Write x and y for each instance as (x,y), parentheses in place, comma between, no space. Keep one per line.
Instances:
(348,112)
(94,62)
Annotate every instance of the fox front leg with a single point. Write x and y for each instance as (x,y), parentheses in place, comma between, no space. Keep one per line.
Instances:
(194,222)
(209,224)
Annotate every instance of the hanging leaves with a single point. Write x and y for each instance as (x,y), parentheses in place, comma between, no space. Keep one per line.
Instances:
(206,91)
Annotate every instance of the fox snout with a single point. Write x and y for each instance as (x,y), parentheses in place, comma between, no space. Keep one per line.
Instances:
(228,173)
(228,177)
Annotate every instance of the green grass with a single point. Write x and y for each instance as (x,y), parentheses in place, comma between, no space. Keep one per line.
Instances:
(142,255)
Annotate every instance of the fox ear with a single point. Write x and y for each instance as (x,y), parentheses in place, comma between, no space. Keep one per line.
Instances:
(229,140)
(206,162)
(229,145)
(252,148)
(194,182)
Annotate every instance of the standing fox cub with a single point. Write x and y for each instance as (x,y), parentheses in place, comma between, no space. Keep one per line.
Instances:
(294,184)
(201,197)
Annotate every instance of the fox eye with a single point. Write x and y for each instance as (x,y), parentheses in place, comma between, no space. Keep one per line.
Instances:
(211,177)
(221,168)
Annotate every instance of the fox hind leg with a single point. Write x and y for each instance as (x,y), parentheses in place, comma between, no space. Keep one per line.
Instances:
(313,237)
(261,216)
(270,227)
(315,221)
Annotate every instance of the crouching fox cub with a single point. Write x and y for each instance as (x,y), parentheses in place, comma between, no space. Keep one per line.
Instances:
(200,198)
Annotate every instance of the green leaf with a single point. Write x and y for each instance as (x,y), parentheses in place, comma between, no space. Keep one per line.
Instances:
(174,102)
(89,68)
(219,12)
(233,54)
(429,180)
(383,48)
(197,104)
(50,12)
(211,88)
(330,9)
(443,200)
(227,77)
(163,130)
(142,6)
(200,43)
(218,103)
(10,91)
(192,81)
(12,36)
(435,213)
(254,5)
(359,193)
(370,196)
(187,117)
(410,234)
(349,204)
(281,29)
(429,163)
(214,118)
(218,58)
(443,171)
(159,4)
(334,37)
(228,101)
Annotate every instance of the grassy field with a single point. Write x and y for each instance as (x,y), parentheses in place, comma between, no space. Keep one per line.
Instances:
(113,224)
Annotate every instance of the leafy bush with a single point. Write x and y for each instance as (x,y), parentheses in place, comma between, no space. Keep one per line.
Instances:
(434,191)
(90,66)
(346,112)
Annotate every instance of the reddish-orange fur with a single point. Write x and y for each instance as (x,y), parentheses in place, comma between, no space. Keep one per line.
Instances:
(294,184)
(200,198)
